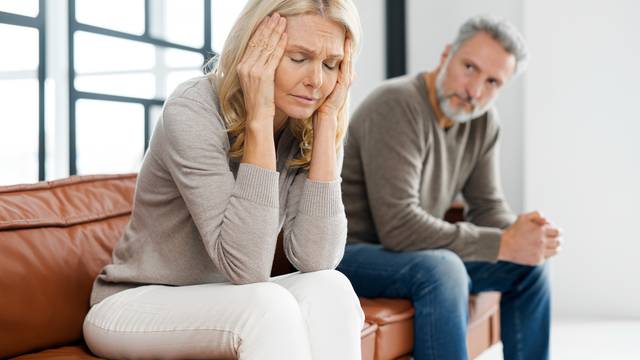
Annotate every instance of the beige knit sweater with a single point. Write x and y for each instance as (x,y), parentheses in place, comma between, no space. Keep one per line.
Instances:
(202,217)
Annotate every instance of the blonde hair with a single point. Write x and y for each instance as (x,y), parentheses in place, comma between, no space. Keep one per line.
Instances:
(225,76)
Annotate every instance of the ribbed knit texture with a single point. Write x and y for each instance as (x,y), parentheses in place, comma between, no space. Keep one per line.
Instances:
(327,193)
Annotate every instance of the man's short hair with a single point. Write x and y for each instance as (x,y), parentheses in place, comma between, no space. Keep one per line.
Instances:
(500,30)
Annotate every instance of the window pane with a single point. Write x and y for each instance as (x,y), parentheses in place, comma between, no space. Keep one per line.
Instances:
(154,116)
(19,131)
(140,85)
(176,67)
(120,15)
(175,58)
(180,21)
(19,46)
(21,7)
(99,54)
(110,136)
(223,15)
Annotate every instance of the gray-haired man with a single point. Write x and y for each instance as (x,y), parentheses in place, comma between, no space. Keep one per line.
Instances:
(414,144)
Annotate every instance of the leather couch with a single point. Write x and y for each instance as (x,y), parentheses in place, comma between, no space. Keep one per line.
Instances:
(56,236)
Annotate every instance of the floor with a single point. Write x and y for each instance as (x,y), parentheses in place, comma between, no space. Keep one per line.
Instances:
(588,340)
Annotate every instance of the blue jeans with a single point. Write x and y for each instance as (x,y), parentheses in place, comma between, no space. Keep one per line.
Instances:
(438,284)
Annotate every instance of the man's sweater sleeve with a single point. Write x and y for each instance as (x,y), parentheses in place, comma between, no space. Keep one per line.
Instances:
(315,227)
(483,190)
(236,218)
(393,148)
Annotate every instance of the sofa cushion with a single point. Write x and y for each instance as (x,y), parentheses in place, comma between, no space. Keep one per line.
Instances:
(54,239)
(484,317)
(79,352)
(394,317)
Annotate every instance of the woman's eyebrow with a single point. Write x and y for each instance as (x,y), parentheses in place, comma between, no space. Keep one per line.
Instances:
(311,51)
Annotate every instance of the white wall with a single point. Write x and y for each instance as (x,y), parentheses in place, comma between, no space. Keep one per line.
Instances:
(370,65)
(568,127)
(582,155)
(434,24)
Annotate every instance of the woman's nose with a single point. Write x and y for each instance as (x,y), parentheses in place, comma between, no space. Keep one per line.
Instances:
(314,76)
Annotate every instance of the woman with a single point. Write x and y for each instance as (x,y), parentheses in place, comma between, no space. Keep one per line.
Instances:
(237,155)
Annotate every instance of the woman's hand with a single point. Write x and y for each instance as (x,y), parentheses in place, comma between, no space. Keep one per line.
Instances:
(323,165)
(336,100)
(256,70)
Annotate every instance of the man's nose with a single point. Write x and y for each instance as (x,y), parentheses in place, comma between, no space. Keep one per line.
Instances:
(474,88)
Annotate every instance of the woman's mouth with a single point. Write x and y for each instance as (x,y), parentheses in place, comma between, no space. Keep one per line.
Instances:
(304,99)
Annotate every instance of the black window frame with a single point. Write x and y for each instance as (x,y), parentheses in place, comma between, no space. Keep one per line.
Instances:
(75,95)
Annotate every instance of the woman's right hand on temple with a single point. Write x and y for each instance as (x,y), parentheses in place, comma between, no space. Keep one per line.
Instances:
(256,71)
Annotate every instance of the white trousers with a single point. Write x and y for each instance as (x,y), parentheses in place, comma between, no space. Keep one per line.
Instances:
(296,316)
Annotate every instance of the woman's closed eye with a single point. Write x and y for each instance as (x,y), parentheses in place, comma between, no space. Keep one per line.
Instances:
(301,59)
(330,66)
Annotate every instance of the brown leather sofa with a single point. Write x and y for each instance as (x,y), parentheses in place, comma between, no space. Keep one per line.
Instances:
(56,236)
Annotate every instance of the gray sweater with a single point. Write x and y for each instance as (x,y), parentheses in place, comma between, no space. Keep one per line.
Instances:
(402,172)
(202,217)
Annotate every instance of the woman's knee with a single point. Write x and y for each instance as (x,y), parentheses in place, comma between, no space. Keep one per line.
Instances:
(275,305)
(329,288)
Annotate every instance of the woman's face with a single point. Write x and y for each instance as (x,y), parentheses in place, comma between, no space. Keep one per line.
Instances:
(309,68)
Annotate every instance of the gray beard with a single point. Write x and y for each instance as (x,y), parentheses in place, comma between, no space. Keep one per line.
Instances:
(460,115)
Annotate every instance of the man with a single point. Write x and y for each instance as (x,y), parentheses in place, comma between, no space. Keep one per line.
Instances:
(416,143)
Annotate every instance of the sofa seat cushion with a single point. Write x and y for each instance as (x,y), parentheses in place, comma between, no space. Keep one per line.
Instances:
(394,317)
(79,352)
(484,322)
(482,305)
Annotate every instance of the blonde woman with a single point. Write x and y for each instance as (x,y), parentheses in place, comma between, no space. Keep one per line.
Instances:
(238,155)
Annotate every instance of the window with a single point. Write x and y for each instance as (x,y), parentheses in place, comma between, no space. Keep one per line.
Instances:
(22,79)
(125,56)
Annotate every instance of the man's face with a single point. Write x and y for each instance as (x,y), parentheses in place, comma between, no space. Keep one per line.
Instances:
(468,80)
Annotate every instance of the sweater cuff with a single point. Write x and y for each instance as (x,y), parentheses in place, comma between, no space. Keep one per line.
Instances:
(488,244)
(257,184)
(321,198)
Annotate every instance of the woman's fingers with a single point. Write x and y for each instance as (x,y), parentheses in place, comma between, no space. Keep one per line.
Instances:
(272,43)
(346,68)
(344,80)
(276,55)
(252,51)
(259,41)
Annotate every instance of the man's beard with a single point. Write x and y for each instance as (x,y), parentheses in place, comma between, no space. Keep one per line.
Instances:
(444,100)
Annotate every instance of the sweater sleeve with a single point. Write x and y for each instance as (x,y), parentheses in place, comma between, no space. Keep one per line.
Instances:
(315,227)
(237,219)
(393,148)
(483,190)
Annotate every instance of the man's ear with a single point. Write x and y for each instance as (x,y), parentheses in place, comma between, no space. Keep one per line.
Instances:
(445,54)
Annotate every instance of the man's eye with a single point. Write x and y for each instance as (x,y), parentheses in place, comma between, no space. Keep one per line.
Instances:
(468,67)
(297,60)
(330,67)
